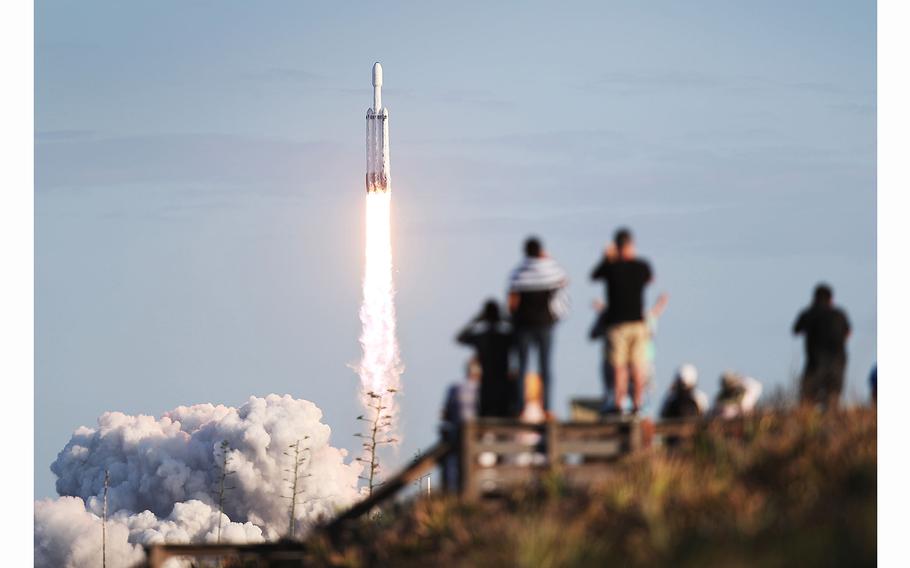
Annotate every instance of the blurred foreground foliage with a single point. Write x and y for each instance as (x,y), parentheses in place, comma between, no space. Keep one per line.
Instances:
(798,489)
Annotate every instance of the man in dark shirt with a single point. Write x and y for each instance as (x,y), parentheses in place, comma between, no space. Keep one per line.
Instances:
(826,328)
(491,337)
(533,289)
(627,334)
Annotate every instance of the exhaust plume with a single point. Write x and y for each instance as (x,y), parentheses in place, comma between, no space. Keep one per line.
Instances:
(380,368)
(164,476)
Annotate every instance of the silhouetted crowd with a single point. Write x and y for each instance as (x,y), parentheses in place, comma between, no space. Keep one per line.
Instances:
(498,377)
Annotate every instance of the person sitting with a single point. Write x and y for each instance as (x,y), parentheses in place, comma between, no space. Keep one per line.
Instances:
(684,400)
(737,397)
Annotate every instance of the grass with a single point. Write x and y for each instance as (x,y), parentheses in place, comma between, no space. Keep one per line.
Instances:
(797,489)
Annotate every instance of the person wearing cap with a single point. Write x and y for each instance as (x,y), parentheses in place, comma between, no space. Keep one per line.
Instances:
(684,400)
(737,397)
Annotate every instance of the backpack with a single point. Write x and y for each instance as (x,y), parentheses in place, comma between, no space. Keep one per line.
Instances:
(559,304)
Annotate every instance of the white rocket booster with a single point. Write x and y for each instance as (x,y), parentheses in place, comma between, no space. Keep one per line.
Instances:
(378,139)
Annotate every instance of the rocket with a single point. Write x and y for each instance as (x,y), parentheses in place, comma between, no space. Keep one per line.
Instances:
(378,139)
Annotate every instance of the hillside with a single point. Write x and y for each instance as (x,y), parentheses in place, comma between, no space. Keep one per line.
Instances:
(798,489)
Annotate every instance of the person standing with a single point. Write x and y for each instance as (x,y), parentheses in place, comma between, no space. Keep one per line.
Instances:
(826,329)
(491,338)
(625,277)
(536,302)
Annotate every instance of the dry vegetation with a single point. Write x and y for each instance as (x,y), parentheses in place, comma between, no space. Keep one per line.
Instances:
(799,489)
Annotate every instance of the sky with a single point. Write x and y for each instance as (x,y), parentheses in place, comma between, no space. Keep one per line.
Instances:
(199,190)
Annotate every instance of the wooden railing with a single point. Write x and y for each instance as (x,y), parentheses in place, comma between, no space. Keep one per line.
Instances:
(498,456)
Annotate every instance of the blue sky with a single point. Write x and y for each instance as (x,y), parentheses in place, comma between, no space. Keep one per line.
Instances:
(199,189)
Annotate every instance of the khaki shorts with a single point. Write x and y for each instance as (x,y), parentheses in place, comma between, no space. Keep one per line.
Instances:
(626,344)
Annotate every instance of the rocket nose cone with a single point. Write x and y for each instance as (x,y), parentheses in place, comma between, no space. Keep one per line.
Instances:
(377,74)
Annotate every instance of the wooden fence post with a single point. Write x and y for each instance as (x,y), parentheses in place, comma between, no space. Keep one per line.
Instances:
(647,433)
(467,461)
(554,460)
(635,441)
(156,556)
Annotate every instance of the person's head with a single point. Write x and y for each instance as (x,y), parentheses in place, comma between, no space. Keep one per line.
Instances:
(625,245)
(472,369)
(533,247)
(686,376)
(822,295)
(490,311)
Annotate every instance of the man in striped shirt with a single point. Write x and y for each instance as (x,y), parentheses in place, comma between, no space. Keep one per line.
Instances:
(534,299)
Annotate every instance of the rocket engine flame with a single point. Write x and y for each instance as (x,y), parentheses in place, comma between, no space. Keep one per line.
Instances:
(380,368)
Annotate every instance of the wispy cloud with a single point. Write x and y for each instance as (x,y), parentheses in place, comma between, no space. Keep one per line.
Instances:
(860,109)
(73,160)
(545,141)
(472,97)
(641,82)
(658,81)
(63,135)
(286,74)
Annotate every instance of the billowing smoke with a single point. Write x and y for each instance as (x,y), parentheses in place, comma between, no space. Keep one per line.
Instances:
(69,536)
(164,474)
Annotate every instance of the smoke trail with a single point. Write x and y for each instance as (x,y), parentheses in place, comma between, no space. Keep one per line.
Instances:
(380,368)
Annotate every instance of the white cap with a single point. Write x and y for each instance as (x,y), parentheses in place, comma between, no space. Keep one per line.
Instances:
(687,374)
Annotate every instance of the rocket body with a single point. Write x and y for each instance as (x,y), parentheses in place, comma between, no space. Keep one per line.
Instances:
(377,178)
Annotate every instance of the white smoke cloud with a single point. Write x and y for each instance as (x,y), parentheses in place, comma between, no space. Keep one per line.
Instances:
(68,536)
(164,474)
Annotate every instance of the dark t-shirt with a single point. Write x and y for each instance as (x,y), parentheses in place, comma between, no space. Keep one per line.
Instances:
(681,404)
(826,329)
(625,281)
(534,309)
